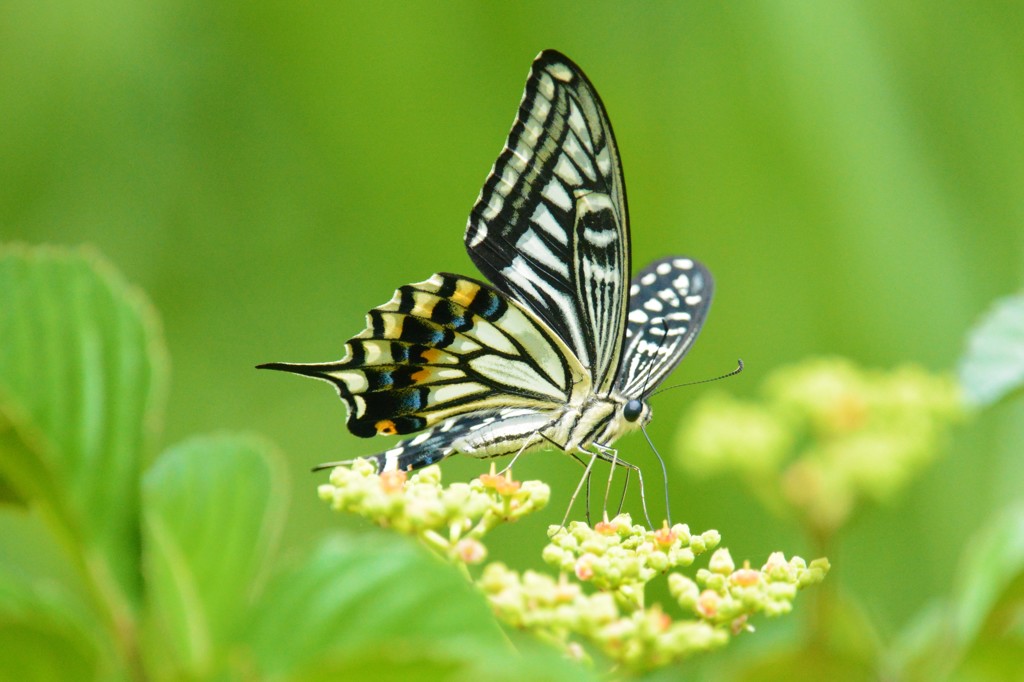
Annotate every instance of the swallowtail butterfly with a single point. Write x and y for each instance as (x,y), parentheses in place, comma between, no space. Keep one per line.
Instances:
(562,348)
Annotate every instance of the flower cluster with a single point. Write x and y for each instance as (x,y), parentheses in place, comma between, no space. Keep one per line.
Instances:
(451,520)
(560,611)
(825,435)
(725,595)
(619,557)
(597,602)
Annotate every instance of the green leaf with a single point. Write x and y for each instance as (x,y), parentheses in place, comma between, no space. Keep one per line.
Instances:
(39,649)
(213,509)
(81,367)
(371,600)
(995,563)
(993,365)
(47,630)
(973,629)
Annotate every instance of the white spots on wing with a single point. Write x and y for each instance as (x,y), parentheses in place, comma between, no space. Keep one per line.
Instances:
(555,193)
(648,279)
(604,161)
(495,202)
(372,354)
(681,316)
(592,202)
(638,316)
(634,289)
(532,130)
(663,268)
(600,238)
(578,125)
(488,335)
(669,296)
(544,220)
(541,108)
(478,230)
(508,179)
(354,380)
(391,457)
(683,263)
(681,283)
(441,394)
(546,86)
(694,299)
(520,158)
(657,331)
(581,158)
(598,273)
(653,304)
(447,426)
(565,169)
(420,439)
(463,344)
(561,72)
(534,247)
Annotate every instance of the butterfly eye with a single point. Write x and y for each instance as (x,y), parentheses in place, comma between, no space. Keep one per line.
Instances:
(632,410)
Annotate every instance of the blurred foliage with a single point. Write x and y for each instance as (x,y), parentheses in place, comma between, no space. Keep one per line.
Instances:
(993,365)
(851,172)
(183,582)
(825,437)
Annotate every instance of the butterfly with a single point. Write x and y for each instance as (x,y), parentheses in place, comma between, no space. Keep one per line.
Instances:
(562,348)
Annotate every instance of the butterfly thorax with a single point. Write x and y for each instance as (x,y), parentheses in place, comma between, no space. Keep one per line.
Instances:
(598,420)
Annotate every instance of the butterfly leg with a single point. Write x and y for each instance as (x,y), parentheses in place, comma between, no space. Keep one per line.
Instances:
(586,478)
(611,474)
(611,455)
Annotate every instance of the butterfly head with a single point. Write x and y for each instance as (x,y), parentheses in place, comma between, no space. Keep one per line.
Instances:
(632,410)
(634,413)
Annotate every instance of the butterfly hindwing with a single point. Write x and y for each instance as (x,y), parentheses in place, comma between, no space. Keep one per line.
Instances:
(550,226)
(445,347)
(668,301)
(483,434)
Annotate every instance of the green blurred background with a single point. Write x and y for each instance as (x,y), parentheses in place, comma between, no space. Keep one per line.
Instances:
(851,172)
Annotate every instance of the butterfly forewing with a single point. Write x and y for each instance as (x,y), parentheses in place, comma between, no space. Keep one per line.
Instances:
(668,301)
(550,227)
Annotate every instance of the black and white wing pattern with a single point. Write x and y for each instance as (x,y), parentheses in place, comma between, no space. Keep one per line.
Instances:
(441,348)
(668,301)
(550,227)
(561,349)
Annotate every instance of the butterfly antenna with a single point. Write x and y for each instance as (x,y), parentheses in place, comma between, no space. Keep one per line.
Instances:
(739,368)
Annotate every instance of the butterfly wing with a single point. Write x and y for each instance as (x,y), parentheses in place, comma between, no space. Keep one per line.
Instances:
(668,302)
(503,432)
(550,226)
(446,347)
